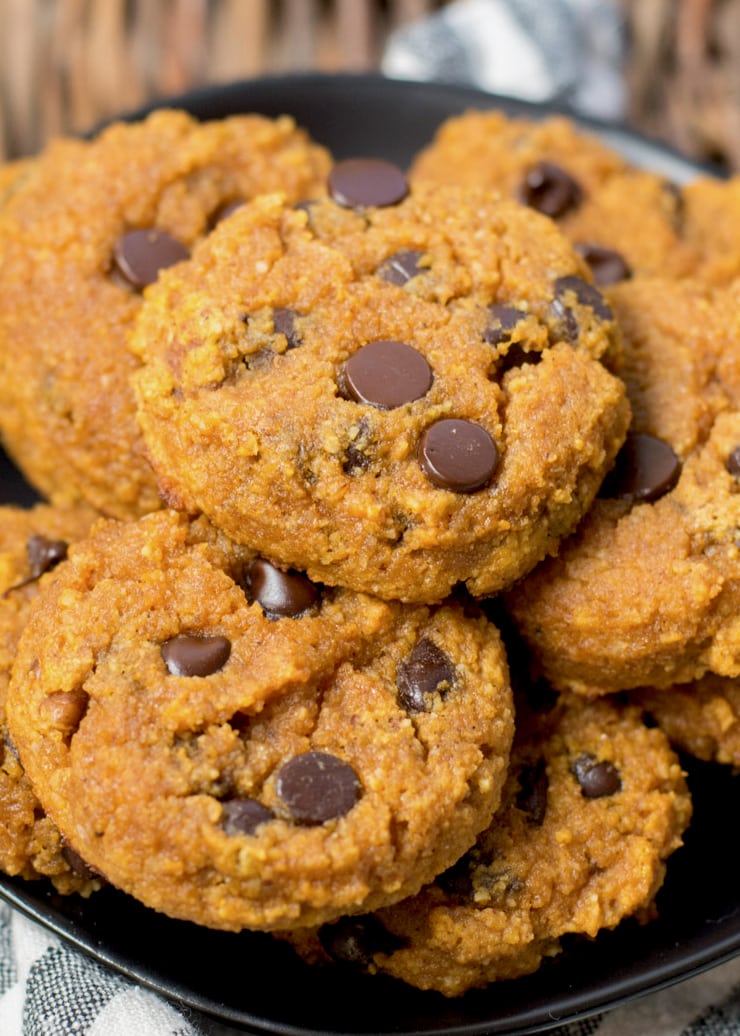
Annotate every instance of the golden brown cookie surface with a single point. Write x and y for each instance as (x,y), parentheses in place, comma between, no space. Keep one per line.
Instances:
(395,398)
(88,226)
(701,718)
(264,764)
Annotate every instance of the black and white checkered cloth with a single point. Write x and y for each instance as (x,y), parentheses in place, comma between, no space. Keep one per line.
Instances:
(568,51)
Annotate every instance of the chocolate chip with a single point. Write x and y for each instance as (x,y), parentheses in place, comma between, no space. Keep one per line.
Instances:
(77,864)
(549,189)
(186,655)
(458,455)
(361,182)
(65,709)
(401,267)
(503,319)
(386,374)
(357,454)
(645,469)
(317,787)
(283,321)
(243,816)
(532,795)
(586,295)
(733,462)
(597,780)
(607,265)
(426,672)
(43,555)
(139,255)
(355,940)
(280,594)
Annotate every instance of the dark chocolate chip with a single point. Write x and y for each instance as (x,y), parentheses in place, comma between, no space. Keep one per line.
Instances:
(355,940)
(139,255)
(283,321)
(280,594)
(586,295)
(733,462)
(317,787)
(597,780)
(386,374)
(187,655)
(458,455)
(401,267)
(503,319)
(549,189)
(76,862)
(607,265)
(426,672)
(532,795)
(243,816)
(362,182)
(357,454)
(43,555)
(645,469)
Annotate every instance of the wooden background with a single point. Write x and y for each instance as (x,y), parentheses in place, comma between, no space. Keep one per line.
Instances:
(65,64)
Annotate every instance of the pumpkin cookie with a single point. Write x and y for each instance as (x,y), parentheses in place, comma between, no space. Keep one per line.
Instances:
(395,392)
(285,761)
(594,804)
(646,592)
(701,718)
(32,543)
(87,227)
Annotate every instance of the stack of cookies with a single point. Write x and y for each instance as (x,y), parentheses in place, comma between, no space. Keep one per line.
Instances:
(390,547)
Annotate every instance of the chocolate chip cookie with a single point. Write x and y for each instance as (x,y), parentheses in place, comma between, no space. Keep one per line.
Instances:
(88,227)
(701,718)
(594,804)
(32,543)
(646,592)
(237,746)
(397,391)
(624,220)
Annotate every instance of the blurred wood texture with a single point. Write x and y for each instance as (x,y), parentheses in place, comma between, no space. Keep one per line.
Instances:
(65,64)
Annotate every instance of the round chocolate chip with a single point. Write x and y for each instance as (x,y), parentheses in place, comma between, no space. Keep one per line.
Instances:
(317,787)
(280,594)
(187,655)
(355,940)
(139,255)
(44,554)
(549,189)
(585,294)
(607,265)
(401,267)
(503,319)
(243,816)
(386,374)
(362,182)
(597,780)
(733,462)
(458,455)
(645,469)
(283,321)
(426,672)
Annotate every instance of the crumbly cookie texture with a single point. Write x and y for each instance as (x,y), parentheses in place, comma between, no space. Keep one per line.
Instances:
(701,718)
(261,764)
(646,592)
(397,398)
(623,219)
(594,804)
(32,543)
(88,224)
(711,223)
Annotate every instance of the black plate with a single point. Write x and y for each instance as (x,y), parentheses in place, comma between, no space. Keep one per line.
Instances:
(249,980)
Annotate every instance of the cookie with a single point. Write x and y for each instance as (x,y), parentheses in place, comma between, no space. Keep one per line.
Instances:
(396,397)
(701,718)
(32,543)
(90,224)
(624,220)
(646,592)
(285,761)
(711,219)
(594,804)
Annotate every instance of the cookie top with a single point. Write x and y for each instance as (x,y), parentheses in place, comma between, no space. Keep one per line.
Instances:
(646,592)
(308,754)
(624,220)
(711,221)
(701,717)
(594,804)
(396,398)
(90,223)
(32,543)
